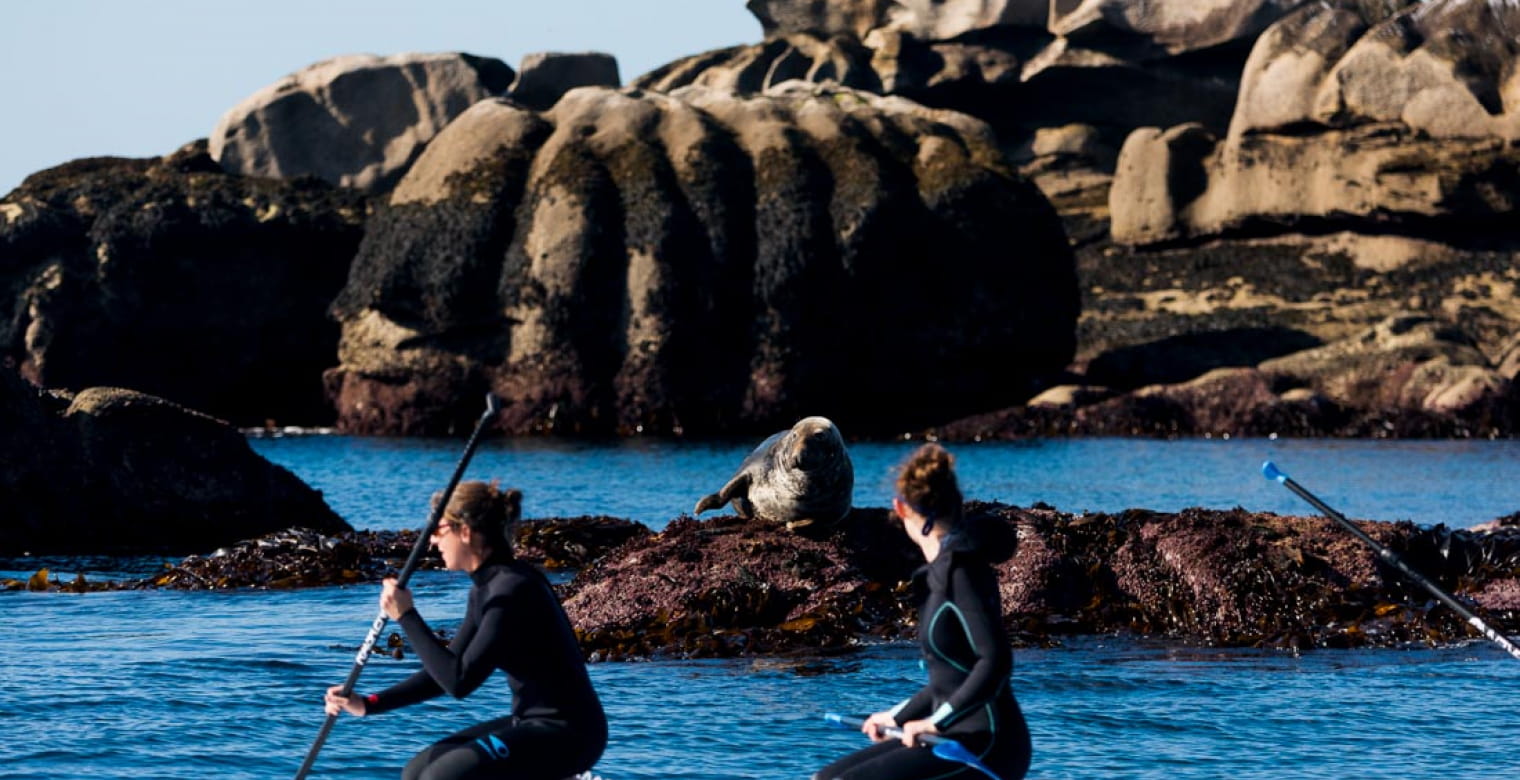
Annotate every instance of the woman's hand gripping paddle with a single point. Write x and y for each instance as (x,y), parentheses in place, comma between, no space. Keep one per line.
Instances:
(944,747)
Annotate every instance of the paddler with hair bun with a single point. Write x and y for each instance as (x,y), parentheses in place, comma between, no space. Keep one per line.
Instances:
(513,622)
(968,697)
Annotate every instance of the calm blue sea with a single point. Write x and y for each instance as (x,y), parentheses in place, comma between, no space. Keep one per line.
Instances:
(228,685)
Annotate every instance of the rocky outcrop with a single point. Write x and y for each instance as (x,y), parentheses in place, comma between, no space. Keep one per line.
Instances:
(1353,261)
(1173,25)
(728,587)
(1221,578)
(703,262)
(1406,376)
(357,120)
(114,471)
(171,277)
(1062,84)
(1345,117)
(300,558)
(544,77)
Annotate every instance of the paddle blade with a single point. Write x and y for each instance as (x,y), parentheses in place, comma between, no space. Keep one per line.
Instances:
(1270,471)
(950,750)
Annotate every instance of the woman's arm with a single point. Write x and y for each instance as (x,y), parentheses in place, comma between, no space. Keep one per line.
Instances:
(464,664)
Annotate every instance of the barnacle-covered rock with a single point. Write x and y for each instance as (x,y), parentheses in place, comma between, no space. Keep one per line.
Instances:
(702,262)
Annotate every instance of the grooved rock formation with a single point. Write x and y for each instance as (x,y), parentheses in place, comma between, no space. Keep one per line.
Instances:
(114,471)
(174,278)
(1061,83)
(703,262)
(357,120)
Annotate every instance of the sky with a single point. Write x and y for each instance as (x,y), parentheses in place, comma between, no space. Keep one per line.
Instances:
(140,78)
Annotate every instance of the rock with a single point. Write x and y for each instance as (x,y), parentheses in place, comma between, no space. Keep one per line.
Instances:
(297,558)
(702,262)
(1176,26)
(843,61)
(1218,578)
(357,120)
(840,17)
(171,277)
(1403,362)
(114,471)
(543,77)
(1349,118)
(1159,174)
(301,558)
(729,587)
(1070,396)
(1507,364)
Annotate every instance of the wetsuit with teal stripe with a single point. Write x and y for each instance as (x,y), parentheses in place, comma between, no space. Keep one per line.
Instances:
(513,623)
(968,696)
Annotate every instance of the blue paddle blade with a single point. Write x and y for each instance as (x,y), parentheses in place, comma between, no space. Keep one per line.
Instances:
(1270,471)
(950,750)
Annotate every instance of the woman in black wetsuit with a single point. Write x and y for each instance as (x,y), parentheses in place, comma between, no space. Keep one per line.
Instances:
(960,627)
(513,623)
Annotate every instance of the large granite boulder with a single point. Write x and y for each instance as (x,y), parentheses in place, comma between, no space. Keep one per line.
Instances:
(703,262)
(172,277)
(357,120)
(114,471)
(544,77)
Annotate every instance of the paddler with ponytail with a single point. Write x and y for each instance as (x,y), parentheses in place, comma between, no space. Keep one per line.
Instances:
(968,697)
(514,623)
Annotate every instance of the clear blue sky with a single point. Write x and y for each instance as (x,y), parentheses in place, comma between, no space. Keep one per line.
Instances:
(138,79)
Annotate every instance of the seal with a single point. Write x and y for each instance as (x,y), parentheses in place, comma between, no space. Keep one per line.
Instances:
(796,477)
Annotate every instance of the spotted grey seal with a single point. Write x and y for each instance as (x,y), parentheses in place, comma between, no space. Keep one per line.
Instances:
(797,477)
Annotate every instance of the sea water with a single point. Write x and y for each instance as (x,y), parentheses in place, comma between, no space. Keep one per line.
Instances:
(163,684)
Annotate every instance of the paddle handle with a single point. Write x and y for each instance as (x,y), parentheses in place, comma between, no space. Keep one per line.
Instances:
(851,722)
(1270,471)
(412,562)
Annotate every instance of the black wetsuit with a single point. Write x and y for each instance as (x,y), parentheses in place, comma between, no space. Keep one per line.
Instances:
(513,623)
(968,696)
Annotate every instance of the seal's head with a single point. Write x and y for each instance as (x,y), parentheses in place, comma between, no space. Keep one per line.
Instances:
(813,443)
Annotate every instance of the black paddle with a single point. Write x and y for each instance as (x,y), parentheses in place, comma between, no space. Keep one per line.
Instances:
(492,407)
(1270,471)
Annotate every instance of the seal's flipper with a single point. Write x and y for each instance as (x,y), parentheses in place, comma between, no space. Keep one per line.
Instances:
(736,486)
(743,507)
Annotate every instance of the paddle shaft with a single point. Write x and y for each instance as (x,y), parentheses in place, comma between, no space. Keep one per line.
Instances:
(1392,559)
(412,561)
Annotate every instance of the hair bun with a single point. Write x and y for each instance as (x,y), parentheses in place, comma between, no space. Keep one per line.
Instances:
(512,502)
